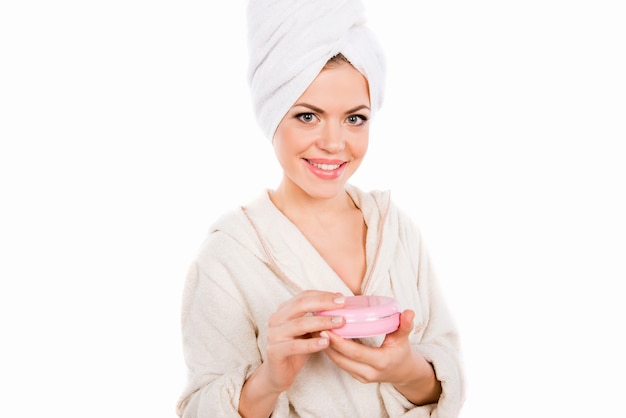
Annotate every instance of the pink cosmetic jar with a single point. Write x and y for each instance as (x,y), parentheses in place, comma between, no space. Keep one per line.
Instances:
(367,316)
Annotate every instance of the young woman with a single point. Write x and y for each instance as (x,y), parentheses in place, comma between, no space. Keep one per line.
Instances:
(253,346)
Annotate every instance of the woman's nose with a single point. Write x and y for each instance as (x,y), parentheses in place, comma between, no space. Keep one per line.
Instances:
(332,138)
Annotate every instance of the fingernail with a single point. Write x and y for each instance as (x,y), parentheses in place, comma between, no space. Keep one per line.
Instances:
(336,319)
(340,300)
(324,339)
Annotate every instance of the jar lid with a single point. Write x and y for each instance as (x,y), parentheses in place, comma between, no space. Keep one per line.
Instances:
(364,308)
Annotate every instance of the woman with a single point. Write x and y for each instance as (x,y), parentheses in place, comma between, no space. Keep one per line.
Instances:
(251,343)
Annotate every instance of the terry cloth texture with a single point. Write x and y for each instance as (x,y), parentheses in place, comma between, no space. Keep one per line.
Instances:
(290,41)
(253,260)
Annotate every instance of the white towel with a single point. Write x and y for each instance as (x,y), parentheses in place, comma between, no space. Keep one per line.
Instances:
(289,42)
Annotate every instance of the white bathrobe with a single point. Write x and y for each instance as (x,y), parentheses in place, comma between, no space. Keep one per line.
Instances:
(254,259)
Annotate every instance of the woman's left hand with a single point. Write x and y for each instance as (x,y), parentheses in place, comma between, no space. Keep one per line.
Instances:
(395,362)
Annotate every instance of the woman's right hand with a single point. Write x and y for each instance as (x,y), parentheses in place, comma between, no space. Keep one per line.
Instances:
(294,333)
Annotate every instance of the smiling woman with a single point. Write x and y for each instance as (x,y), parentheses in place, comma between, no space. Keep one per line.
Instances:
(126,129)
(308,244)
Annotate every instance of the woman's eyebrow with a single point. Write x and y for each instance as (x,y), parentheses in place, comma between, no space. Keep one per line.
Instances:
(309,106)
(356,109)
(318,110)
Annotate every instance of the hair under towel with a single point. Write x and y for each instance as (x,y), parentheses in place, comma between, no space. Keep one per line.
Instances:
(290,41)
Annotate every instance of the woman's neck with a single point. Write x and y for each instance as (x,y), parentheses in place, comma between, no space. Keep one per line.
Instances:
(298,206)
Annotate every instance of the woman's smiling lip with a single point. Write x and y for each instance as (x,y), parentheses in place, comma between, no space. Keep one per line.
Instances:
(326,169)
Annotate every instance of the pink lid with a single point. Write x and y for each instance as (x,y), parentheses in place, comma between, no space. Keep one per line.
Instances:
(366,316)
(365,308)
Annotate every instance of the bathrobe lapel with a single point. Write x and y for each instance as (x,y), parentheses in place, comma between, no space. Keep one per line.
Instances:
(288,252)
(298,263)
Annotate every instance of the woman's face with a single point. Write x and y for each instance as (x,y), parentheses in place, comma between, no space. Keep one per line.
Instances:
(323,138)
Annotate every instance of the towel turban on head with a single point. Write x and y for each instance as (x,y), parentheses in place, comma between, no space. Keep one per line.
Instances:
(290,41)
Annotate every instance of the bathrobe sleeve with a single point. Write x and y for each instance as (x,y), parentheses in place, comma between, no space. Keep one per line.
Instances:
(436,337)
(219,335)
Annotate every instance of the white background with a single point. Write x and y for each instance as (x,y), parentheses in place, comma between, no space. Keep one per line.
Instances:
(126,129)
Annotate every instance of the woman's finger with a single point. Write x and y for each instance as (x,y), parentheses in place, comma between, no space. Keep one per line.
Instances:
(307,302)
(302,327)
(298,346)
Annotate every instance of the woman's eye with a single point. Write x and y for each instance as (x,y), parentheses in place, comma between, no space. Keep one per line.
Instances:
(356,119)
(306,117)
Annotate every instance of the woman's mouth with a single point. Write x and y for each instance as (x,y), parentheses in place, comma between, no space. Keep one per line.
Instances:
(327,170)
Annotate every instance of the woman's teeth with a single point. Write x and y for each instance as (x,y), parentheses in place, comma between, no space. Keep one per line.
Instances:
(327,167)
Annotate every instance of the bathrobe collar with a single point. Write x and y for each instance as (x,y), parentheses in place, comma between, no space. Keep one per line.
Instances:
(274,239)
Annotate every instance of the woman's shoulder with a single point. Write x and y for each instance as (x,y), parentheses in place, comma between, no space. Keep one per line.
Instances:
(379,207)
(234,230)
(378,199)
(236,220)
